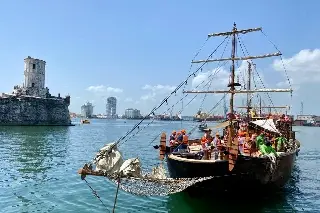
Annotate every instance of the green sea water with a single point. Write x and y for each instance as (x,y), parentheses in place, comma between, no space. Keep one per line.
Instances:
(38,172)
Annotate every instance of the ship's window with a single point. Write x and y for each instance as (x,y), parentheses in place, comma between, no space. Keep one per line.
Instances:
(32,85)
(33,66)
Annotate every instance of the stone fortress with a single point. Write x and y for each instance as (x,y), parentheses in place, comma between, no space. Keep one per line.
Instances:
(32,104)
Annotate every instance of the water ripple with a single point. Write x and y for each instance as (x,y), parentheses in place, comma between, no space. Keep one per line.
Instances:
(39,165)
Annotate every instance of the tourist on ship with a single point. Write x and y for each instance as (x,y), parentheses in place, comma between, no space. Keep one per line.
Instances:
(179,137)
(281,144)
(260,139)
(173,138)
(183,139)
(241,139)
(267,149)
(206,139)
(217,141)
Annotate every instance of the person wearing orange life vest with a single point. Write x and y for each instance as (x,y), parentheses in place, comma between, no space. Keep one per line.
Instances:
(179,137)
(206,139)
(217,141)
(183,140)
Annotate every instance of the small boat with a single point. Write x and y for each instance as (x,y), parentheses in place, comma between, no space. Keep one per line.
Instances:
(203,126)
(85,121)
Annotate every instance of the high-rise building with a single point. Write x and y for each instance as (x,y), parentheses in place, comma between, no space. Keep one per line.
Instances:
(111,107)
(132,113)
(87,110)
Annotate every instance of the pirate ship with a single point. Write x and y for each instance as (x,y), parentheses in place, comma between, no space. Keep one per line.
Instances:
(235,167)
(192,168)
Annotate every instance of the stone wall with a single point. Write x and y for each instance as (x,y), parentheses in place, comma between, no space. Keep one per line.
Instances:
(34,111)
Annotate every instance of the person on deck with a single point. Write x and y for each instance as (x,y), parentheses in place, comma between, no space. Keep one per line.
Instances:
(217,141)
(267,149)
(241,139)
(206,139)
(179,137)
(205,143)
(184,139)
(260,140)
(281,143)
(173,138)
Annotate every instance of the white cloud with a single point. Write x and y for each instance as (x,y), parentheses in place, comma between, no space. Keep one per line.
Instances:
(303,67)
(102,88)
(219,76)
(155,91)
(128,100)
(159,87)
(149,97)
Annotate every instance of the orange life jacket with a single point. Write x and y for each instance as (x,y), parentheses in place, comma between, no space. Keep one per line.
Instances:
(203,140)
(185,139)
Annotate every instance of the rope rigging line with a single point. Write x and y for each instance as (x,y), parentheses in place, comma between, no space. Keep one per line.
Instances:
(190,71)
(172,107)
(166,99)
(210,111)
(94,192)
(140,129)
(285,70)
(192,129)
(244,48)
(216,72)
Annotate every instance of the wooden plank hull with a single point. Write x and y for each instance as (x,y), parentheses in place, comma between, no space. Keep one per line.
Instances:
(249,173)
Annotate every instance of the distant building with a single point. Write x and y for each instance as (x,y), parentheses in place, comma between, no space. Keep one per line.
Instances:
(307,119)
(87,110)
(111,107)
(132,113)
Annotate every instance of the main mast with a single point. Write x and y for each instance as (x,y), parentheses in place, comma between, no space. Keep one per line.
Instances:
(233,53)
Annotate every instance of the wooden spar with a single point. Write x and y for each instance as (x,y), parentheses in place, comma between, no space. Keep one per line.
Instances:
(241,91)
(266,107)
(85,171)
(235,32)
(239,58)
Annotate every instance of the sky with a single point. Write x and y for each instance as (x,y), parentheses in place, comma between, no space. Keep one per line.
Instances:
(139,51)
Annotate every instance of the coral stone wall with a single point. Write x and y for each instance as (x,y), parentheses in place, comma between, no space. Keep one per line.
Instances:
(34,111)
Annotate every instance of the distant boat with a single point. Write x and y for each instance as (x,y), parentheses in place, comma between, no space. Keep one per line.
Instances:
(202,127)
(85,121)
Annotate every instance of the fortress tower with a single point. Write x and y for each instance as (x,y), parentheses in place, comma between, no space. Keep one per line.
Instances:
(34,77)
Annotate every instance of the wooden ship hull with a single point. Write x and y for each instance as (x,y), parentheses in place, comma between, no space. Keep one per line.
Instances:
(249,172)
